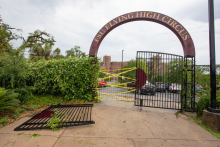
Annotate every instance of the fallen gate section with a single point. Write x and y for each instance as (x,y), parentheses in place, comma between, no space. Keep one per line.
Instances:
(71,115)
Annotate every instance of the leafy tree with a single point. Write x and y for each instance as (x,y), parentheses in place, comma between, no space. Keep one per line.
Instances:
(174,73)
(40,45)
(13,69)
(75,52)
(39,37)
(56,53)
(7,36)
(39,52)
(12,61)
(102,74)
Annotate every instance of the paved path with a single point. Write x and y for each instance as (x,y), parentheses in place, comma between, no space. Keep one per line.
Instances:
(117,124)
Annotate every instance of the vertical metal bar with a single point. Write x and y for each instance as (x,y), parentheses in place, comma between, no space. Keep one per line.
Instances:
(149,75)
(180,81)
(177,74)
(135,102)
(157,76)
(91,113)
(160,80)
(176,80)
(182,86)
(154,75)
(191,88)
(145,71)
(186,83)
(194,83)
(167,77)
(171,77)
(163,80)
(212,53)
(141,76)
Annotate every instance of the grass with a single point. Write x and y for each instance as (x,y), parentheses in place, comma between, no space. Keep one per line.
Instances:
(4,120)
(44,100)
(216,134)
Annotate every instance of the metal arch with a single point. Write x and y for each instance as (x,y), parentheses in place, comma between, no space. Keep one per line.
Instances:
(170,23)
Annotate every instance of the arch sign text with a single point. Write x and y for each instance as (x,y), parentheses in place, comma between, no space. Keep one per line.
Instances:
(173,25)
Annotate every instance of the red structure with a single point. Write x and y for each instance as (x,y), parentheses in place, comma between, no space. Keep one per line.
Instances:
(110,66)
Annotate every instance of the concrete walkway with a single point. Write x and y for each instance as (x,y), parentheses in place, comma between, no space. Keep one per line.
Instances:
(117,124)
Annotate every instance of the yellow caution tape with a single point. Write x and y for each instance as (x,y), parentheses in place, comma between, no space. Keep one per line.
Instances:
(104,95)
(113,75)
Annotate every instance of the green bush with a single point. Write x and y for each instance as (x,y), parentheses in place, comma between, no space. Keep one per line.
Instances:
(33,107)
(13,70)
(23,107)
(25,94)
(205,101)
(15,115)
(7,99)
(4,120)
(72,77)
(19,110)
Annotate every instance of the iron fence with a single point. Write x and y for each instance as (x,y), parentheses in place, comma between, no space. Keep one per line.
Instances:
(69,115)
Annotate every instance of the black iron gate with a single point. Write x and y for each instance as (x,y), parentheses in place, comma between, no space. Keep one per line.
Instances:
(164,80)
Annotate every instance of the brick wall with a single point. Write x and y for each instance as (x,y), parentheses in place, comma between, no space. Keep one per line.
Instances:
(110,66)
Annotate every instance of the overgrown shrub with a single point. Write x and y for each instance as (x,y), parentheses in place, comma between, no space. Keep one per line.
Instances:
(15,115)
(203,78)
(4,120)
(25,94)
(7,99)
(72,77)
(13,70)
(205,101)
(33,107)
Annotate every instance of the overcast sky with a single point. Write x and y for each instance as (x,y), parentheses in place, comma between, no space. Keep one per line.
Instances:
(76,22)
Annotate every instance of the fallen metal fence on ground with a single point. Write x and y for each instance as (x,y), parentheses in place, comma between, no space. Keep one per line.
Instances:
(70,115)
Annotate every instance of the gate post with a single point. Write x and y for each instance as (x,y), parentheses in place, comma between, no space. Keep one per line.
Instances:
(189,69)
(141,104)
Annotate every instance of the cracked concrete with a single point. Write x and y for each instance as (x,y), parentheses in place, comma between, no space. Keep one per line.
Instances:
(117,124)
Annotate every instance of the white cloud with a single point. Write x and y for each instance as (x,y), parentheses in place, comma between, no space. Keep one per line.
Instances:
(77,22)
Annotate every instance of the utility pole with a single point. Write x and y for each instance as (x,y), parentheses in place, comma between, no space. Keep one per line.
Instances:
(212,53)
